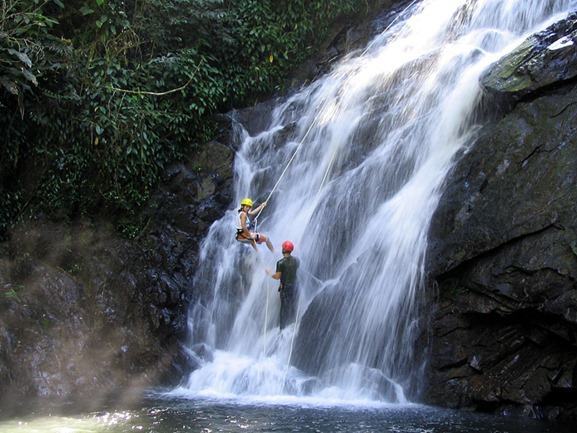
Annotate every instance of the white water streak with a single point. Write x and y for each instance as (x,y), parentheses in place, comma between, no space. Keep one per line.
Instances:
(383,129)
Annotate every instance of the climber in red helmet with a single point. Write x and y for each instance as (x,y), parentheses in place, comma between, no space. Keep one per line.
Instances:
(286,272)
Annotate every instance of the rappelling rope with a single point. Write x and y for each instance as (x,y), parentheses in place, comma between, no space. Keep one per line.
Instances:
(315,121)
(265,323)
(255,229)
(397,18)
(286,168)
(297,318)
(288,363)
(321,186)
(256,224)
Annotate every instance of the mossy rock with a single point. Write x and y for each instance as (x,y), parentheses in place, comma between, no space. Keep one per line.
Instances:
(546,58)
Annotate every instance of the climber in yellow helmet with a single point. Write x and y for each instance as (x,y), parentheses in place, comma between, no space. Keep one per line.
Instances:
(245,227)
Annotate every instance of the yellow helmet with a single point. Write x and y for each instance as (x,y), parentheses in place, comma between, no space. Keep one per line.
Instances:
(246,202)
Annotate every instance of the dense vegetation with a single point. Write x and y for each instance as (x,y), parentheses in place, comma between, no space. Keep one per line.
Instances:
(98,96)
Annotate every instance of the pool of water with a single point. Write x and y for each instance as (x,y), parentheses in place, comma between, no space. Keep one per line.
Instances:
(231,416)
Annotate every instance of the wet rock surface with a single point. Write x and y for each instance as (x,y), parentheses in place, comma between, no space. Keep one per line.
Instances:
(349,35)
(545,59)
(88,317)
(503,260)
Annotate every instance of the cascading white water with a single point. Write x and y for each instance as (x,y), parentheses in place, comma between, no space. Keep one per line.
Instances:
(375,139)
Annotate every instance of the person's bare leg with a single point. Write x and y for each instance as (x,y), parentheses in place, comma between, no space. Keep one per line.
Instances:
(268,244)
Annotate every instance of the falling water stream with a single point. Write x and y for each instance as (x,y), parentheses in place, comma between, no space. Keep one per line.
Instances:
(369,146)
(372,142)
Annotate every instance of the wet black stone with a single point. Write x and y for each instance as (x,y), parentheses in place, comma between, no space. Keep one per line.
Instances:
(534,65)
(500,251)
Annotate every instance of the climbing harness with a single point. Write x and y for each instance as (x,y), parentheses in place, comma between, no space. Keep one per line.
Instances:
(250,225)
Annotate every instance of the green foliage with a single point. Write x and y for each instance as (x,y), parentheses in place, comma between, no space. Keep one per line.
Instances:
(12,293)
(98,96)
(24,37)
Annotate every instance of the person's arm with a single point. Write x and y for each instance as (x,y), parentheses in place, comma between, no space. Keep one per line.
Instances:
(257,209)
(274,276)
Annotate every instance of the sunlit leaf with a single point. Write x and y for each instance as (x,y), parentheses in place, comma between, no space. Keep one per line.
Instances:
(9,85)
(29,76)
(85,10)
(22,56)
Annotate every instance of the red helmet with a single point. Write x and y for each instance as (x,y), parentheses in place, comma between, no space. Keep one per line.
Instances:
(287,247)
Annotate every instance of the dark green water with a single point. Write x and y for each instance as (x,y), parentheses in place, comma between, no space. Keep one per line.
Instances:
(205,416)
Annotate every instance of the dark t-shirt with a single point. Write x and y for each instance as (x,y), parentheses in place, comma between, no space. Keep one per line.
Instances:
(288,267)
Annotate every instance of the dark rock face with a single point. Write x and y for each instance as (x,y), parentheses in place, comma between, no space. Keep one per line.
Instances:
(68,330)
(311,346)
(88,317)
(503,251)
(546,58)
(347,36)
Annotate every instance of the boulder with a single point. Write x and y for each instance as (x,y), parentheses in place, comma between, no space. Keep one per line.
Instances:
(544,59)
(502,255)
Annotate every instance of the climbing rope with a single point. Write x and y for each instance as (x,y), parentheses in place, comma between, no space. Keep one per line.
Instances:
(286,167)
(297,323)
(288,363)
(256,229)
(393,22)
(323,181)
(315,121)
(265,322)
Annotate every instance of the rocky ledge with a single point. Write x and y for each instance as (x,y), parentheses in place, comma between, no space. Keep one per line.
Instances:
(503,253)
(545,59)
(87,317)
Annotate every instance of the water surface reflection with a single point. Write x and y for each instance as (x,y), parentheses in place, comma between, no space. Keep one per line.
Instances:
(207,416)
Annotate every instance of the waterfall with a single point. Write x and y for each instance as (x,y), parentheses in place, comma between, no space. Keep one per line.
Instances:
(375,138)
